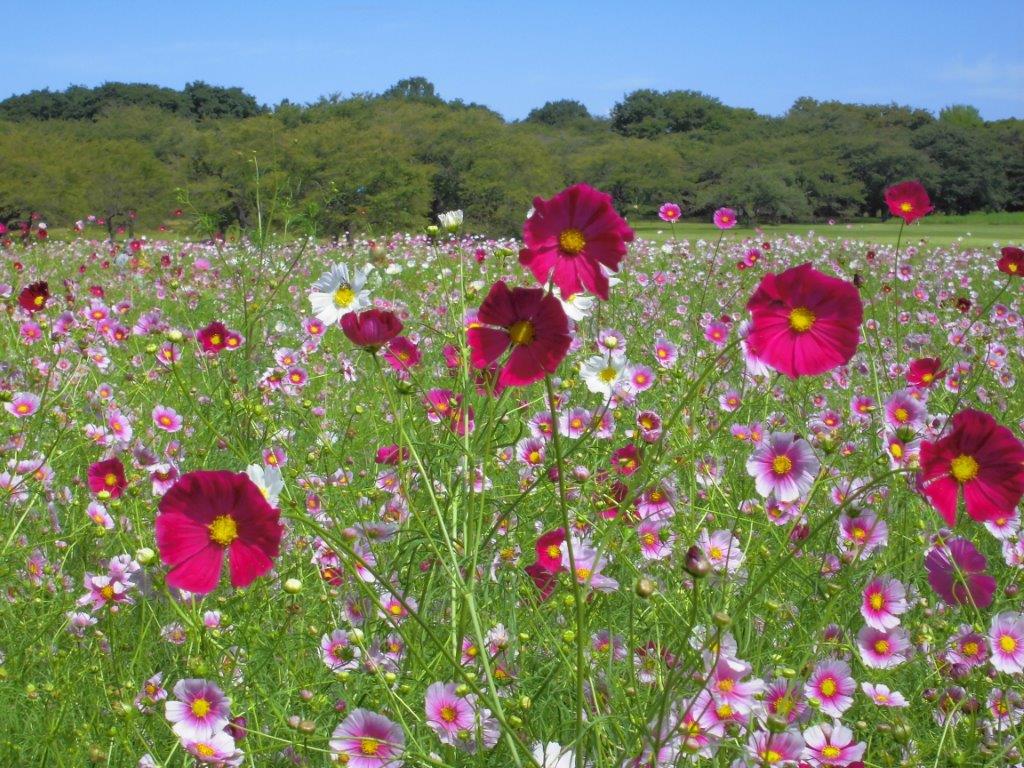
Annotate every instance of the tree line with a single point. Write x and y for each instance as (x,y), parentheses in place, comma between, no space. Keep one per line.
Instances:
(394,160)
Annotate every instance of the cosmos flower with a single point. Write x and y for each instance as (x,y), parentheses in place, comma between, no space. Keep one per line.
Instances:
(724,218)
(371,329)
(883,649)
(22,405)
(908,200)
(831,745)
(216,337)
(1012,261)
(774,749)
(833,686)
(980,460)
(107,476)
(784,466)
(669,212)
(368,740)
(570,237)
(208,514)
(166,419)
(336,293)
(219,749)
(199,709)
(882,696)
(925,371)
(602,374)
(1006,641)
(528,321)
(338,652)
(804,323)
(956,572)
(34,297)
(884,600)
(448,714)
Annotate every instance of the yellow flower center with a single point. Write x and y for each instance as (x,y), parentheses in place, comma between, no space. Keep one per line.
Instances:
(215,339)
(906,207)
(964,468)
(970,648)
(1012,266)
(107,592)
(725,685)
(770,756)
(554,551)
(801,319)
(583,574)
(896,450)
(571,241)
(521,332)
(927,378)
(1008,643)
(781,465)
(831,751)
(205,750)
(828,686)
(783,705)
(200,707)
(223,530)
(369,746)
(901,415)
(608,375)
(877,601)
(21,408)
(110,479)
(343,296)
(716,553)
(38,300)
(881,646)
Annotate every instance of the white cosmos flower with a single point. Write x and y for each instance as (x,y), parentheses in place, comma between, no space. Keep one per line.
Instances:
(450,220)
(336,294)
(554,755)
(577,306)
(268,480)
(602,374)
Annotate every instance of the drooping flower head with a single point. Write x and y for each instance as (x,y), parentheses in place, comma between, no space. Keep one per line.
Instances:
(980,460)
(804,322)
(570,237)
(908,200)
(530,322)
(208,514)
(956,572)
(371,329)
(368,740)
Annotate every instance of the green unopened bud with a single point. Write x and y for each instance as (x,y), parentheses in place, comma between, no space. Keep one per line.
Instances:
(292,586)
(644,588)
(145,555)
(722,619)
(525,702)
(568,636)
(175,335)
(390,677)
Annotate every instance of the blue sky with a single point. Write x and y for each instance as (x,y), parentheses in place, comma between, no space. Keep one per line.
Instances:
(513,56)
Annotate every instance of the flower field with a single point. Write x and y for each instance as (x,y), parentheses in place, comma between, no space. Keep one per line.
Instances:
(579,499)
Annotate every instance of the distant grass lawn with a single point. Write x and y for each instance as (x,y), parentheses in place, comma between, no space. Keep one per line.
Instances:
(978,230)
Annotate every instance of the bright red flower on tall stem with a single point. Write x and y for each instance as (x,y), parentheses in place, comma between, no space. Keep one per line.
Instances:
(980,460)
(908,200)
(214,337)
(1012,261)
(208,514)
(571,236)
(804,322)
(529,321)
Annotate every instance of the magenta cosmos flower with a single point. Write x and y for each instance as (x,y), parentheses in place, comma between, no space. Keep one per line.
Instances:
(724,218)
(166,419)
(957,574)
(206,515)
(449,714)
(804,323)
(530,322)
(831,745)
(368,740)
(371,329)
(881,649)
(979,458)
(570,237)
(885,599)
(776,749)
(669,212)
(199,710)
(108,476)
(832,685)
(908,200)
(1006,638)
(783,466)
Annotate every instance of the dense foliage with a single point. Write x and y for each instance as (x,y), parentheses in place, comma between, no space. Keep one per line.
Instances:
(372,163)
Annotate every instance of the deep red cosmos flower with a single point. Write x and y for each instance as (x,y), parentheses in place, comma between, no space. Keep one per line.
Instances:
(529,321)
(979,457)
(33,298)
(214,337)
(108,476)
(925,371)
(207,514)
(804,322)
(1012,261)
(571,236)
(372,328)
(957,574)
(908,200)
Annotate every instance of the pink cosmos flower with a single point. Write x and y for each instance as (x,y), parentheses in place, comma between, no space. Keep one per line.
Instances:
(670,212)
(774,749)
(1006,640)
(722,549)
(402,354)
(884,601)
(882,696)
(166,419)
(831,745)
(199,710)
(218,749)
(729,683)
(22,405)
(368,740)
(903,410)
(957,574)
(784,466)
(784,700)
(656,538)
(832,685)
(338,652)
(880,649)
(448,714)
(862,534)
(724,218)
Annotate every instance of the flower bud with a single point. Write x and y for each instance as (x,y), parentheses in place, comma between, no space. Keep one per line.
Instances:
(696,562)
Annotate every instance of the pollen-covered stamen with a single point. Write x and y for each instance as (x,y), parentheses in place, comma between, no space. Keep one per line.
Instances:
(906,207)
(571,241)
(964,468)
(801,319)
(369,746)
(521,332)
(344,295)
(223,530)
(200,707)
(782,465)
